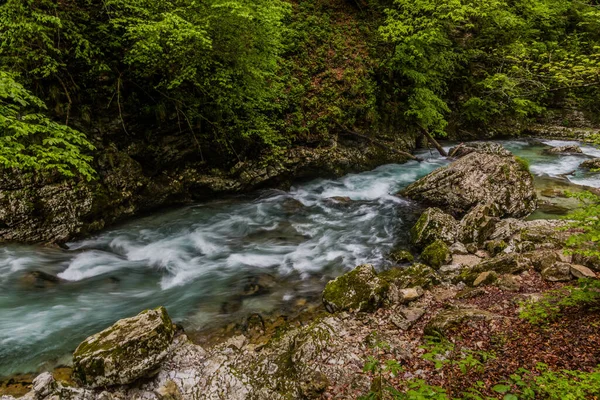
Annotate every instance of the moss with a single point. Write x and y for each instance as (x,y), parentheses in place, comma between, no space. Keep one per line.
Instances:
(415,275)
(436,254)
(359,289)
(523,163)
(401,256)
(495,247)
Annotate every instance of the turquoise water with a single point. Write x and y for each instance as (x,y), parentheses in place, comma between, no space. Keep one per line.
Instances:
(194,260)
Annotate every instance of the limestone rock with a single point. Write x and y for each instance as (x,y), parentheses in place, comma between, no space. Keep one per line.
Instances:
(464,149)
(485,278)
(436,254)
(43,385)
(564,150)
(449,319)
(558,272)
(401,256)
(591,164)
(508,282)
(459,249)
(542,259)
(478,178)
(434,224)
(479,224)
(415,275)
(409,294)
(579,271)
(128,350)
(592,262)
(359,290)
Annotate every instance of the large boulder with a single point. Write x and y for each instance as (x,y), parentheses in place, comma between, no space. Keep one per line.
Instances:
(464,149)
(478,178)
(358,290)
(434,224)
(130,349)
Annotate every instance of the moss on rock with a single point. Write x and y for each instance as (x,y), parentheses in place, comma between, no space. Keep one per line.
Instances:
(436,254)
(360,290)
(434,224)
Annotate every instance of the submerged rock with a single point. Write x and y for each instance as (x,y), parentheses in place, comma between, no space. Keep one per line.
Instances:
(359,290)
(130,349)
(434,224)
(40,280)
(478,178)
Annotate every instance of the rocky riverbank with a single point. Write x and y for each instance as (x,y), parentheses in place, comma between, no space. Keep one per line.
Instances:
(473,278)
(49,209)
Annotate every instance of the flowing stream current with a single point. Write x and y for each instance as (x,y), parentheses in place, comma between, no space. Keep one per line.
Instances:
(197,260)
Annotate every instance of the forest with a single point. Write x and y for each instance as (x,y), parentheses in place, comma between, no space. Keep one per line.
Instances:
(240,79)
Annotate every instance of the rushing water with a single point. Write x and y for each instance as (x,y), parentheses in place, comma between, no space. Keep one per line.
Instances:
(194,260)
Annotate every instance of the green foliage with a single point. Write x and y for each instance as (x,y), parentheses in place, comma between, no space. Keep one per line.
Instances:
(586,223)
(491,59)
(548,308)
(31,141)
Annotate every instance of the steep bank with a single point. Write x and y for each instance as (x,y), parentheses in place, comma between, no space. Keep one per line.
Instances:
(53,210)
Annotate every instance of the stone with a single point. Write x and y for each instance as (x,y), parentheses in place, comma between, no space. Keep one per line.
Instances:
(401,257)
(580,271)
(479,224)
(359,290)
(433,224)
(509,283)
(464,149)
(406,317)
(592,262)
(43,385)
(169,391)
(436,254)
(542,259)
(495,247)
(504,264)
(558,272)
(448,319)
(591,164)
(415,275)
(40,280)
(485,278)
(405,296)
(459,249)
(130,349)
(472,248)
(571,149)
(478,178)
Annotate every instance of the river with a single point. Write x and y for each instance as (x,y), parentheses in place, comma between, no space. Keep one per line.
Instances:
(198,260)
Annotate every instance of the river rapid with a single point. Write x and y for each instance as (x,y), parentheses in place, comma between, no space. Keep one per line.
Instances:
(204,262)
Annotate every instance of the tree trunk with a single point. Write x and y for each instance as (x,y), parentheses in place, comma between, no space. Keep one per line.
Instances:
(433,142)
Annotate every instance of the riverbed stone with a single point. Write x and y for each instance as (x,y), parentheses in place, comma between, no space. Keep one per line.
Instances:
(40,280)
(433,224)
(558,272)
(436,254)
(358,290)
(128,350)
(478,178)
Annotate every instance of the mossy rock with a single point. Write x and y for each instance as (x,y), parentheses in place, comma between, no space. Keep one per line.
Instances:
(359,290)
(436,254)
(434,224)
(413,276)
(495,247)
(401,256)
(479,224)
(130,349)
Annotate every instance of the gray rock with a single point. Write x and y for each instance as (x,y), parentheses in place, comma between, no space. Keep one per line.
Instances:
(485,278)
(580,271)
(449,319)
(478,178)
(571,149)
(359,290)
(591,164)
(464,149)
(459,249)
(558,272)
(130,349)
(479,224)
(434,224)
(43,385)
